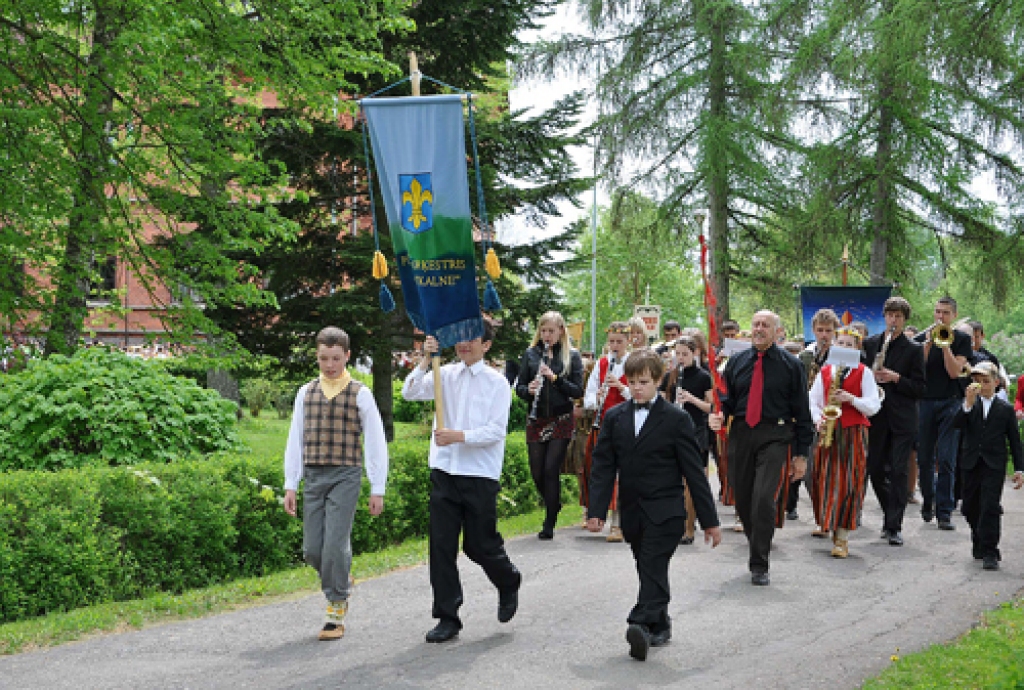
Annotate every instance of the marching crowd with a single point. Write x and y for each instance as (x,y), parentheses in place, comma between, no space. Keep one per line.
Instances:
(639,425)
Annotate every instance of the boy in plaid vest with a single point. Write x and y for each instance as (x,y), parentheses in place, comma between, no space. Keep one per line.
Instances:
(324,447)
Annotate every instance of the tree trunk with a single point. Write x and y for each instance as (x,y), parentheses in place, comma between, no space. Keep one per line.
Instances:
(89,194)
(884,206)
(716,165)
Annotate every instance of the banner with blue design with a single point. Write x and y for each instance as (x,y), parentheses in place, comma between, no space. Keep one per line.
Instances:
(862,303)
(419,147)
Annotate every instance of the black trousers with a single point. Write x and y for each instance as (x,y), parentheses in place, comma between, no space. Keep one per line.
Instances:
(756,459)
(653,547)
(888,458)
(983,491)
(466,506)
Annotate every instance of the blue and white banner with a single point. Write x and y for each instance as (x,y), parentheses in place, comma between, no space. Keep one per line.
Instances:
(850,304)
(419,146)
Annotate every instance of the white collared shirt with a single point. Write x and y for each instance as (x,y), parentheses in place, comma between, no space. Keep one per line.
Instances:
(868,404)
(640,415)
(476,402)
(986,405)
(594,383)
(375,444)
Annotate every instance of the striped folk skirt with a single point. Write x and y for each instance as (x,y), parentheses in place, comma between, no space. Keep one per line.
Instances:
(839,474)
(588,459)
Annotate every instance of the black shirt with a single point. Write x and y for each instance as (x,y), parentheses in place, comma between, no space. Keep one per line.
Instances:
(693,379)
(784,396)
(938,384)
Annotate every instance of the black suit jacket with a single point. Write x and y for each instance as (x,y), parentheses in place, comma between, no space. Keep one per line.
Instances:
(650,467)
(985,438)
(906,358)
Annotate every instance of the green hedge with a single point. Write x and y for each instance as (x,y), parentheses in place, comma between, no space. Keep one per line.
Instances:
(83,536)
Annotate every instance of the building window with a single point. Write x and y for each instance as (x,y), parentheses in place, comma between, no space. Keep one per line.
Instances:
(104,281)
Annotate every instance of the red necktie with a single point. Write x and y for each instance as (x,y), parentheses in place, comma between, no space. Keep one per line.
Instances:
(756,388)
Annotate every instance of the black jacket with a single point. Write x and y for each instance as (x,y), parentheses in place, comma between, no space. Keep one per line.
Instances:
(906,358)
(650,467)
(555,397)
(985,438)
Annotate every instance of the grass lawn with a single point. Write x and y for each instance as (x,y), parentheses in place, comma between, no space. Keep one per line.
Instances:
(266,436)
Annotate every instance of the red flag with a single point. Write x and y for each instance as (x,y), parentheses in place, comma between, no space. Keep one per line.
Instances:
(711,307)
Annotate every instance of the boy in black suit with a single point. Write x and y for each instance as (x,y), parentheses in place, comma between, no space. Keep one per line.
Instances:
(652,446)
(987,424)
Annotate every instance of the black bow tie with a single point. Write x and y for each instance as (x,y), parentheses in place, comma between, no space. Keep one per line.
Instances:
(643,406)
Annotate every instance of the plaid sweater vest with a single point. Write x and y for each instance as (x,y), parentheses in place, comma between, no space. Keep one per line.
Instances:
(332,430)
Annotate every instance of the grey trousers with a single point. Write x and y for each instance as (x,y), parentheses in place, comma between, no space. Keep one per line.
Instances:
(330,497)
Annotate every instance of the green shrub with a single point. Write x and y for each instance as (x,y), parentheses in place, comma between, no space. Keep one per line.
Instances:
(104,408)
(284,399)
(256,395)
(89,535)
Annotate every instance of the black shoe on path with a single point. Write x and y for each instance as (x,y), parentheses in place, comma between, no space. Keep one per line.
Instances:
(760,579)
(792,515)
(508,600)
(661,638)
(639,640)
(990,563)
(927,514)
(895,538)
(946,525)
(884,534)
(443,631)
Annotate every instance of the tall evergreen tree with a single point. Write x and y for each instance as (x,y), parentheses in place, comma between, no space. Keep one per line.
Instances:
(692,107)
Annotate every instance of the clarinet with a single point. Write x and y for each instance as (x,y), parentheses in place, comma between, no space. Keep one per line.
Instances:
(602,393)
(679,388)
(539,379)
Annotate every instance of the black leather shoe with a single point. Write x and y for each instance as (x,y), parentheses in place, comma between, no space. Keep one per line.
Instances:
(792,515)
(443,631)
(546,534)
(990,563)
(946,525)
(508,600)
(686,541)
(760,579)
(639,640)
(927,514)
(661,637)
(895,539)
(884,534)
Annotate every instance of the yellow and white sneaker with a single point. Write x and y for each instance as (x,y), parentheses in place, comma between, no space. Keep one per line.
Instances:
(334,624)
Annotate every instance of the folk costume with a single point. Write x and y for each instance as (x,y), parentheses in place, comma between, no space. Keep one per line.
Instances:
(548,435)
(601,399)
(840,461)
(335,429)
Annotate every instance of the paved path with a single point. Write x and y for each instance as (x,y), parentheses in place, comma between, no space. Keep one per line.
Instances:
(823,623)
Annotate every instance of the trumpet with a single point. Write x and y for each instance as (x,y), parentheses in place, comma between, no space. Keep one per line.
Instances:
(940,334)
(832,411)
(539,380)
(966,372)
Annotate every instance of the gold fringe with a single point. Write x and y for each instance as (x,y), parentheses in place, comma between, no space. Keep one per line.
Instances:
(380,266)
(492,265)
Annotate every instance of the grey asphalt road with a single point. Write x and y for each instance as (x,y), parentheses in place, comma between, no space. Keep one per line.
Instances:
(823,623)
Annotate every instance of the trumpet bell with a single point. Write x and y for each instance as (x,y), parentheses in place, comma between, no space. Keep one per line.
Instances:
(942,335)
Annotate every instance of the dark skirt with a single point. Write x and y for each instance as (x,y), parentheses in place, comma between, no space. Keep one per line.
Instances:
(547,428)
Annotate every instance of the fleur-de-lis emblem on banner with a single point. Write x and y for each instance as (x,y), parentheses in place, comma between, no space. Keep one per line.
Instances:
(416,192)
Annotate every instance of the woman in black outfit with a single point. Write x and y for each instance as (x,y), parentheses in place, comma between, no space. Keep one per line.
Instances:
(689,386)
(550,377)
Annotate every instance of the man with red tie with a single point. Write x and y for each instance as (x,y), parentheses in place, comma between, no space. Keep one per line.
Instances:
(766,394)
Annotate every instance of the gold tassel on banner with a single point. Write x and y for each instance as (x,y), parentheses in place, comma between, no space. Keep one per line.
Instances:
(492,265)
(380,266)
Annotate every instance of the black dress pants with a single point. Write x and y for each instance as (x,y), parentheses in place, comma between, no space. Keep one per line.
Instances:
(653,546)
(756,459)
(888,457)
(467,506)
(983,492)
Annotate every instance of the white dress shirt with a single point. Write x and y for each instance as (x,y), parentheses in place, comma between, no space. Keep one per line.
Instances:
(986,405)
(593,383)
(375,445)
(640,415)
(476,402)
(867,404)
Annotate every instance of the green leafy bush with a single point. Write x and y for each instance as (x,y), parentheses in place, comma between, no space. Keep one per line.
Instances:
(257,394)
(104,408)
(84,536)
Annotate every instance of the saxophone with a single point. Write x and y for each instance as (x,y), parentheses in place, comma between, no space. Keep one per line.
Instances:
(832,411)
(602,392)
(879,362)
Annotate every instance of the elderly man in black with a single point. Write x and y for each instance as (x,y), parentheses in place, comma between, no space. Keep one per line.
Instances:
(767,397)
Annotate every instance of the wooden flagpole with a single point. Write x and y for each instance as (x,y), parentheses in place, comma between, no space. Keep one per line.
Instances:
(435,359)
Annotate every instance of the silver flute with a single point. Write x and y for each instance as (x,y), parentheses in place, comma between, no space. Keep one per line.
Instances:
(602,392)
(539,380)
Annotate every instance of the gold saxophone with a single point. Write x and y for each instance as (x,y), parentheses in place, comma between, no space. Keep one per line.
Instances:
(833,409)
